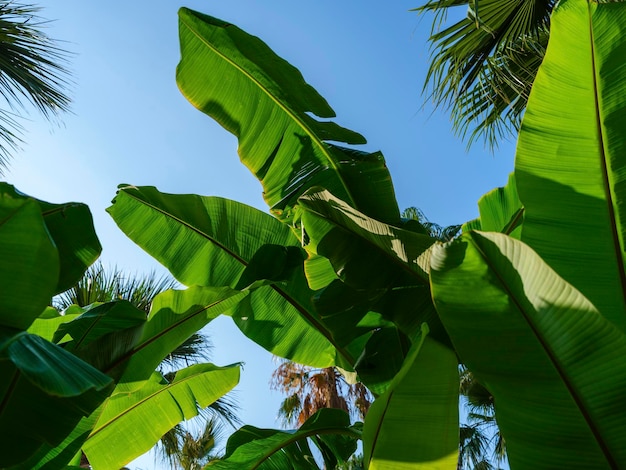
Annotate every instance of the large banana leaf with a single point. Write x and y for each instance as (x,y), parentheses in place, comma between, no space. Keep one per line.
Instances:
(425,393)
(240,82)
(132,423)
(554,365)
(329,429)
(44,393)
(49,321)
(210,241)
(571,156)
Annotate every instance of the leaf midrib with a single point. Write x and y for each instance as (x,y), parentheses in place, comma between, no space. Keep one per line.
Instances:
(567,382)
(165,389)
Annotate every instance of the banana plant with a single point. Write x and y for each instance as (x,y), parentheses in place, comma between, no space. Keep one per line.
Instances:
(379,296)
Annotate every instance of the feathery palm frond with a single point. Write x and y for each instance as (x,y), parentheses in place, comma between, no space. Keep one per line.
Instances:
(32,71)
(482,66)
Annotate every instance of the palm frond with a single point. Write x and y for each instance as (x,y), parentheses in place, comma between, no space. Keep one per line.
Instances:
(483,65)
(33,70)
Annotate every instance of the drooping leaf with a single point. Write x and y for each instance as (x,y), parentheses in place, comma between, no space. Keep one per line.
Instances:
(131,424)
(293,153)
(192,235)
(252,448)
(104,334)
(552,362)
(70,226)
(30,262)
(425,394)
(570,165)
(45,393)
(500,211)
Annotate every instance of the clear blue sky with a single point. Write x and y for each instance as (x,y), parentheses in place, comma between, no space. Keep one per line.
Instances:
(131,125)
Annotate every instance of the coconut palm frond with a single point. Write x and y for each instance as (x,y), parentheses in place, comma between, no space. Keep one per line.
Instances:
(33,70)
(483,65)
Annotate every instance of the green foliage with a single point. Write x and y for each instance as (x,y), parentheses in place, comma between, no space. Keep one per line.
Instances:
(376,294)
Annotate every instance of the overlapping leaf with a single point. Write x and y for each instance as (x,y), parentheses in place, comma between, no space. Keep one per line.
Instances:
(44,394)
(210,241)
(554,365)
(240,82)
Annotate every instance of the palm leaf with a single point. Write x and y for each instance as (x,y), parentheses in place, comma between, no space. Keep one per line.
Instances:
(553,364)
(224,70)
(570,163)
(483,65)
(33,71)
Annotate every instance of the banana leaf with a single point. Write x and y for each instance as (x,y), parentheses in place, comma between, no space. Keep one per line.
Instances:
(174,316)
(132,423)
(393,275)
(44,393)
(241,83)
(210,241)
(500,211)
(425,393)
(329,430)
(70,226)
(554,365)
(49,321)
(29,270)
(571,157)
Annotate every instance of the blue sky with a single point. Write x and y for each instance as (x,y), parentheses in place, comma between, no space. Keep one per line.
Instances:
(129,124)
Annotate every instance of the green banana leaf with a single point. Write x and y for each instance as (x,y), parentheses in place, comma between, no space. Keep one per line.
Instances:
(103,335)
(554,365)
(58,456)
(241,83)
(29,271)
(49,321)
(44,393)
(394,272)
(329,429)
(70,226)
(174,316)
(571,156)
(500,211)
(424,393)
(210,241)
(132,423)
